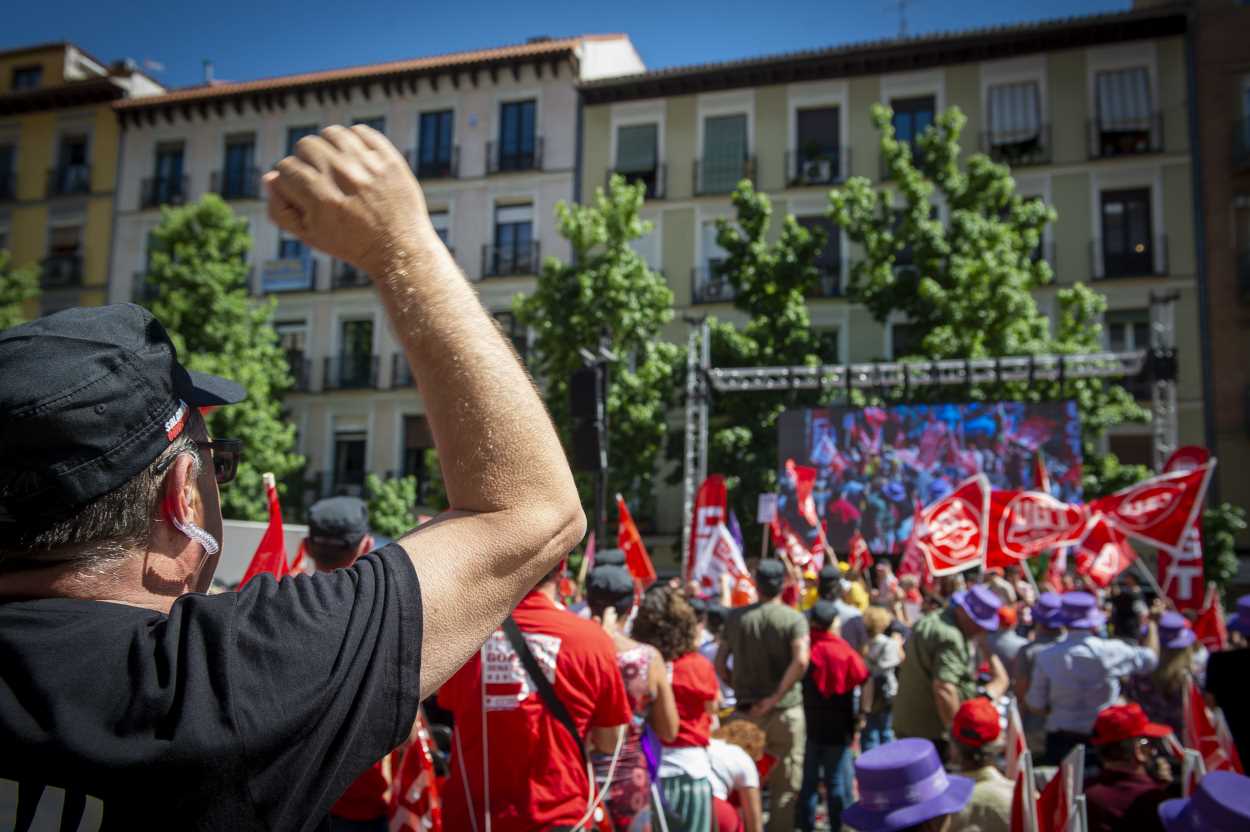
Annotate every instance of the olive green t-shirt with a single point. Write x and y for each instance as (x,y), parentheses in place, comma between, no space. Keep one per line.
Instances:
(937,650)
(761,639)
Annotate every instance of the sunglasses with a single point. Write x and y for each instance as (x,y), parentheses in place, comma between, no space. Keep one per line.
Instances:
(225,454)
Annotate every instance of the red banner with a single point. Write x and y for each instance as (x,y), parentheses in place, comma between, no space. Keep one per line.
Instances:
(414,801)
(953,530)
(1207,734)
(1209,625)
(859,556)
(1103,552)
(1181,574)
(1027,523)
(637,561)
(1160,510)
(709,512)
(797,529)
(270,555)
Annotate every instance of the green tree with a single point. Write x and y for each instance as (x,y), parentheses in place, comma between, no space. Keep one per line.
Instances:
(968,292)
(198,270)
(392,505)
(1221,526)
(17,286)
(772,279)
(608,288)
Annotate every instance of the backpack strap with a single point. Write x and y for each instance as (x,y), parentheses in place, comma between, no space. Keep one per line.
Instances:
(544,687)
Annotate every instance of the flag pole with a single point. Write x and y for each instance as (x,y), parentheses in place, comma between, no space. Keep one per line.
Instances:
(1150,579)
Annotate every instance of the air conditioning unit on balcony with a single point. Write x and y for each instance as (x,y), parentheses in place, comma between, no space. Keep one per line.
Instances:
(815,171)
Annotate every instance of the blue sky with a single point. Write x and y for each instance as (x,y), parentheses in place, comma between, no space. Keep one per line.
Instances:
(257,39)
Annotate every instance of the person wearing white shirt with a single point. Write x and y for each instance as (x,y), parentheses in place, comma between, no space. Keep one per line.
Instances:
(733,753)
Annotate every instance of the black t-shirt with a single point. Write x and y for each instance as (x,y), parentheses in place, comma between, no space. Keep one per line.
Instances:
(245,710)
(1227,672)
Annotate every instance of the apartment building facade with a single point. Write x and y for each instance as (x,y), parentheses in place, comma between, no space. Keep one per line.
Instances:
(490,134)
(58,166)
(1091,113)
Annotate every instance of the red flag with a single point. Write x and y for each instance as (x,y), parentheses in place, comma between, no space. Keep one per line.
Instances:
(297,565)
(637,561)
(270,554)
(709,512)
(1057,569)
(1103,552)
(1052,806)
(800,534)
(1023,797)
(1160,510)
(1209,625)
(1027,523)
(953,533)
(1017,742)
(721,556)
(859,556)
(1041,477)
(414,804)
(1207,734)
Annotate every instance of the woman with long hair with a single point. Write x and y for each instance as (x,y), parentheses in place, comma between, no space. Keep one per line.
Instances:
(610,596)
(1161,694)
(666,621)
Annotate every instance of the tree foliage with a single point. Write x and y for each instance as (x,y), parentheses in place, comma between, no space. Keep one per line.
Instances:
(17,286)
(968,292)
(1221,526)
(198,270)
(608,289)
(392,505)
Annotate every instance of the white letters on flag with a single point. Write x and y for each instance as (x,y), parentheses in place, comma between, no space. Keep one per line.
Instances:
(719,556)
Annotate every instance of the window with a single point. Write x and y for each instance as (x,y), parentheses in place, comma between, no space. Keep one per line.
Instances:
(63,267)
(514,331)
(293,340)
(514,250)
(1128,330)
(26,78)
(517,139)
(8,171)
(167,177)
(377,123)
(294,134)
(828,347)
(726,151)
(911,117)
(416,462)
(1132,448)
(349,463)
(1015,122)
(906,339)
(72,174)
(1125,112)
(290,248)
(638,155)
(434,149)
(817,160)
(829,261)
(441,220)
(355,364)
(239,179)
(1127,244)
(710,285)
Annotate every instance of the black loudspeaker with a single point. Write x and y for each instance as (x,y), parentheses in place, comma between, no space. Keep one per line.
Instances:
(585,388)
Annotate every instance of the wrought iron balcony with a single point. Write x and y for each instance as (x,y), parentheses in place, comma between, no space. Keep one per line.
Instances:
(61,271)
(301,371)
(1145,259)
(347,276)
(351,372)
(1241,142)
(1018,148)
(239,183)
(1113,137)
(721,176)
(654,179)
(69,180)
(448,168)
(156,191)
(708,284)
(813,167)
(501,159)
(506,261)
(401,373)
(288,274)
(8,185)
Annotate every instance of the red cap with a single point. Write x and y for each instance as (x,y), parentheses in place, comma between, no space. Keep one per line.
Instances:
(976,723)
(1007,616)
(1125,722)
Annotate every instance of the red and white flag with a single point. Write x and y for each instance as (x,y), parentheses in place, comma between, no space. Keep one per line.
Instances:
(414,803)
(721,556)
(858,555)
(1057,569)
(953,531)
(1193,769)
(637,561)
(270,555)
(1160,510)
(1209,626)
(1103,553)
(1024,796)
(1017,742)
(1041,477)
(1206,733)
(709,512)
(1026,523)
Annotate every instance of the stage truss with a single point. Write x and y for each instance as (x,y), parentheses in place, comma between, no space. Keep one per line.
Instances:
(702,380)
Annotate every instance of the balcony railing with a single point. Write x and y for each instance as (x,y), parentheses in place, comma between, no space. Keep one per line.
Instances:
(1241,142)
(242,183)
(709,285)
(1109,138)
(61,271)
(1018,148)
(142,291)
(448,168)
(301,371)
(827,167)
(8,185)
(69,180)
(721,176)
(288,274)
(347,276)
(1144,259)
(653,179)
(504,261)
(401,373)
(156,191)
(351,372)
(1243,274)
(501,159)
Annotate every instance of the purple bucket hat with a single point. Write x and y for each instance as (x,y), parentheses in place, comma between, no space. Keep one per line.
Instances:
(1048,610)
(903,784)
(1080,611)
(1221,803)
(1175,632)
(981,603)
(1240,620)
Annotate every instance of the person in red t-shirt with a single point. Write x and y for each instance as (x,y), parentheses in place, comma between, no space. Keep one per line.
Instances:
(667,622)
(535,772)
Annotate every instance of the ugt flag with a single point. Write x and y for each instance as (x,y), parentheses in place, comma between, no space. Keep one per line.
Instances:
(953,530)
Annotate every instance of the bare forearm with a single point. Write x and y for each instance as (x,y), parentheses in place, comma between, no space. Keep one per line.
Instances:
(752,810)
(794,672)
(997,686)
(946,698)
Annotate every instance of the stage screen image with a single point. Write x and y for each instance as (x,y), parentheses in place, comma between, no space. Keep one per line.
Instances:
(875,464)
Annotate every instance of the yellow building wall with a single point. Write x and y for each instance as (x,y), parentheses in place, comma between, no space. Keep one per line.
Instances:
(680,135)
(1068,105)
(963,90)
(52,61)
(596,146)
(771,128)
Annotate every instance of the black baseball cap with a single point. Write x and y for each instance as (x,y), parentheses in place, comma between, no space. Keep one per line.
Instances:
(769,576)
(338,521)
(823,614)
(610,557)
(89,397)
(609,585)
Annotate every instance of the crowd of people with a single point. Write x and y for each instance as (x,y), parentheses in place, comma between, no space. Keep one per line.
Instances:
(132,698)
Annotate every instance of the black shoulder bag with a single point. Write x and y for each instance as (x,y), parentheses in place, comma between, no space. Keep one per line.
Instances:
(541,683)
